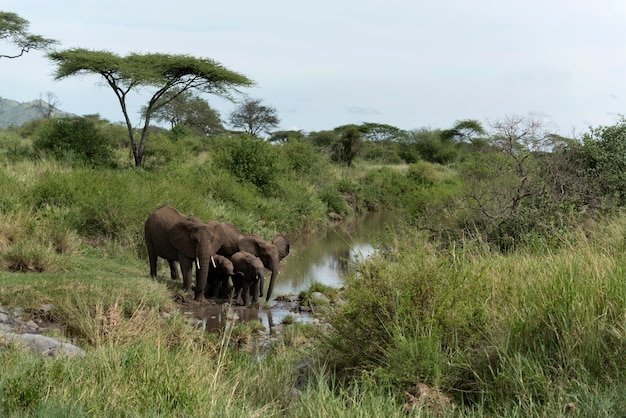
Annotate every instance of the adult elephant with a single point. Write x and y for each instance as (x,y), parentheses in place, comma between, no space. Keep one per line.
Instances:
(270,253)
(249,272)
(155,232)
(175,237)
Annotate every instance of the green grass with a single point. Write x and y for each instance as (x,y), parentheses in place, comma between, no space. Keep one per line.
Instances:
(537,332)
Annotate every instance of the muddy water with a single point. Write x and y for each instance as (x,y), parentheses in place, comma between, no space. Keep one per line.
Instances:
(325,257)
(322,258)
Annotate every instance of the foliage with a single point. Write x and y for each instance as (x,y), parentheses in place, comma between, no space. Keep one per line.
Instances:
(185,109)
(427,144)
(254,118)
(463,131)
(305,161)
(76,141)
(14,29)
(494,331)
(282,137)
(604,150)
(164,72)
(348,146)
(249,159)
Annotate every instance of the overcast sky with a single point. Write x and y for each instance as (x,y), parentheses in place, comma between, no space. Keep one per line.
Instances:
(326,63)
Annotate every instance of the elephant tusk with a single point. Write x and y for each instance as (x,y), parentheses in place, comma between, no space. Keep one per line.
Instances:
(197,263)
(213,261)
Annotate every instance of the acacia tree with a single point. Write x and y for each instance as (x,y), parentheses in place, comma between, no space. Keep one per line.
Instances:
(162,72)
(254,118)
(186,109)
(14,29)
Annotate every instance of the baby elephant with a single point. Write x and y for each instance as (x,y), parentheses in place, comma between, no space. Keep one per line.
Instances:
(219,273)
(249,271)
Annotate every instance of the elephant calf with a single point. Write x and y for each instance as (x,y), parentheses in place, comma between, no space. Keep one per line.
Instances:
(219,273)
(249,272)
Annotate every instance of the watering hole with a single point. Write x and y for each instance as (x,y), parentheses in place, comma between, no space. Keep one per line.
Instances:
(321,258)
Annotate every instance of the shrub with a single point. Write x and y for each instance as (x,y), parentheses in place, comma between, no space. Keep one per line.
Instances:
(305,160)
(250,160)
(75,141)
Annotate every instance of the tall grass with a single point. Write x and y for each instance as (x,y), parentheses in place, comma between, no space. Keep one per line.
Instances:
(531,331)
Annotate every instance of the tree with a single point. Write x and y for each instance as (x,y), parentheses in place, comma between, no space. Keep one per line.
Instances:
(48,107)
(254,118)
(381,132)
(348,145)
(282,137)
(14,29)
(186,109)
(463,131)
(163,72)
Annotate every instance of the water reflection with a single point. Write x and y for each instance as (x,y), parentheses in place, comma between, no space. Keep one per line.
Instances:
(325,257)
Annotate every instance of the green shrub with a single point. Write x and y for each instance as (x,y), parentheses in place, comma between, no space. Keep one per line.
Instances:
(75,141)
(13,147)
(334,201)
(250,160)
(305,160)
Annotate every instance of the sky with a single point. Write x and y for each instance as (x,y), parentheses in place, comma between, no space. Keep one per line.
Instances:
(321,64)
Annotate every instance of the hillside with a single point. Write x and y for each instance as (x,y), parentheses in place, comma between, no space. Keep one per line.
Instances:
(14,113)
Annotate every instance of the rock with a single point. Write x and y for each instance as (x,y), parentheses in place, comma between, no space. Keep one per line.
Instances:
(11,328)
(44,346)
(319,296)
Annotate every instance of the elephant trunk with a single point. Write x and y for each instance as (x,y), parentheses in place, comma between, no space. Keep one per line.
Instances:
(271,286)
(203,263)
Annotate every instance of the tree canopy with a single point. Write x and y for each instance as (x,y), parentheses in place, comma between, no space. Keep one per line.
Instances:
(164,73)
(14,29)
(254,118)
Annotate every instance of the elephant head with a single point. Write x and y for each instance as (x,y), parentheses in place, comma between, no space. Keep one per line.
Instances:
(195,242)
(249,271)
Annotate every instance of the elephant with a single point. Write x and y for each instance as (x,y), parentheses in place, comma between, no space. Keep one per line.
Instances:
(157,225)
(249,271)
(270,253)
(175,237)
(218,277)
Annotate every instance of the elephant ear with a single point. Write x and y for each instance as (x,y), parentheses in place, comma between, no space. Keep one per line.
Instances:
(250,245)
(283,243)
(183,237)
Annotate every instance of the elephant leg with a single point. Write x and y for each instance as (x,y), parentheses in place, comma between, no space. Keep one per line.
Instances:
(173,270)
(246,293)
(153,262)
(201,279)
(254,289)
(186,265)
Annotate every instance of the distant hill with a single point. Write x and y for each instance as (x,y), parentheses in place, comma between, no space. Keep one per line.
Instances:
(14,113)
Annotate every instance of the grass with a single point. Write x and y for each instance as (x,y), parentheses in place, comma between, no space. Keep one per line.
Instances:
(538,332)
(526,334)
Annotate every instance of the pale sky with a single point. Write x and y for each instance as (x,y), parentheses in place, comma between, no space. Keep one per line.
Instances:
(326,63)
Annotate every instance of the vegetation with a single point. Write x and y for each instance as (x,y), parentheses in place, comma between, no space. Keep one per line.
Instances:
(499,293)
(162,72)
(254,118)
(14,29)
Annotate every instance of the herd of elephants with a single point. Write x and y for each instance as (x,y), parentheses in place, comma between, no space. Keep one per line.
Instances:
(220,252)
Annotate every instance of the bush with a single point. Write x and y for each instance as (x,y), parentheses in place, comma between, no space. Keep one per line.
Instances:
(250,160)
(305,160)
(75,141)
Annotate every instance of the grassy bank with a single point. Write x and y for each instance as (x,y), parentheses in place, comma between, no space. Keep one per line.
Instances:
(530,334)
